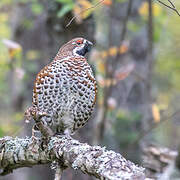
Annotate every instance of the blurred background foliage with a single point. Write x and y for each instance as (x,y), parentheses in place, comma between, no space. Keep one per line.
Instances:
(31,31)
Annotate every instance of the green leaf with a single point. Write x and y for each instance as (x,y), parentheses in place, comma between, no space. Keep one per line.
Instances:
(2,133)
(157,33)
(36,8)
(65,9)
(28,24)
(133,26)
(65,1)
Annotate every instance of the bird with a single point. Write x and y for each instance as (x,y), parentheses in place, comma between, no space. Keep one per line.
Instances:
(65,90)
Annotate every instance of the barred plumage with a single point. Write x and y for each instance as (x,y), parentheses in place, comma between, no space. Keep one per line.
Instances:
(66,88)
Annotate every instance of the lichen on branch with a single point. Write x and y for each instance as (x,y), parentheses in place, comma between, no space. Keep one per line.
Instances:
(92,160)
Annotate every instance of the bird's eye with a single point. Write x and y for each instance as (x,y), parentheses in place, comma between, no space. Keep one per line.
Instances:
(78,42)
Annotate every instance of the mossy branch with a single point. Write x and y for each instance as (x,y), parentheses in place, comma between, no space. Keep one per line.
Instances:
(92,160)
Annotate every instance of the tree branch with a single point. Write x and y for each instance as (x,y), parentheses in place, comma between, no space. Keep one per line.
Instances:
(172,7)
(92,160)
(159,161)
(154,125)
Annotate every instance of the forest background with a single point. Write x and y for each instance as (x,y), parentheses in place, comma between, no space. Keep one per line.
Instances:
(136,61)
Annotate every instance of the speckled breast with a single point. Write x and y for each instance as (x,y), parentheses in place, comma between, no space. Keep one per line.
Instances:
(66,90)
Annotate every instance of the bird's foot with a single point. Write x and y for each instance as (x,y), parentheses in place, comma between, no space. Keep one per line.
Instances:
(34,113)
(36,141)
(35,144)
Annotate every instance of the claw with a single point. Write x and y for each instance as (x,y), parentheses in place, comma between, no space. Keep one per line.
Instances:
(40,114)
(34,113)
(34,146)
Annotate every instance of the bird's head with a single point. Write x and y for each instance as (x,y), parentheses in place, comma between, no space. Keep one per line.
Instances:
(77,46)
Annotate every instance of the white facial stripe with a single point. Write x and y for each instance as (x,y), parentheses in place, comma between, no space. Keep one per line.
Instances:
(76,49)
(84,42)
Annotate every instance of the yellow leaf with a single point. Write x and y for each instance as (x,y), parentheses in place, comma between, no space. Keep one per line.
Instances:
(113,51)
(114,81)
(13,47)
(143,10)
(101,66)
(7,127)
(104,54)
(18,116)
(81,10)
(4,30)
(155,113)
(108,82)
(156,9)
(77,11)
(124,71)
(100,101)
(107,2)
(122,75)
(13,52)
(123,49)
(3,17)
(32,55)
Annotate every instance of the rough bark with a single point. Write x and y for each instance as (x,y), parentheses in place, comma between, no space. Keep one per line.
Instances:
(92,160)
(159,162)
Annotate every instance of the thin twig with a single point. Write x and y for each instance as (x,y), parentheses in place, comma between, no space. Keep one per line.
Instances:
(172,4)
(173,7)
(153,126)
(92,7)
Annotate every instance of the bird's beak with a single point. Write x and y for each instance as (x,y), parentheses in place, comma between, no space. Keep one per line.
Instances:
(90,43)
(88,46)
